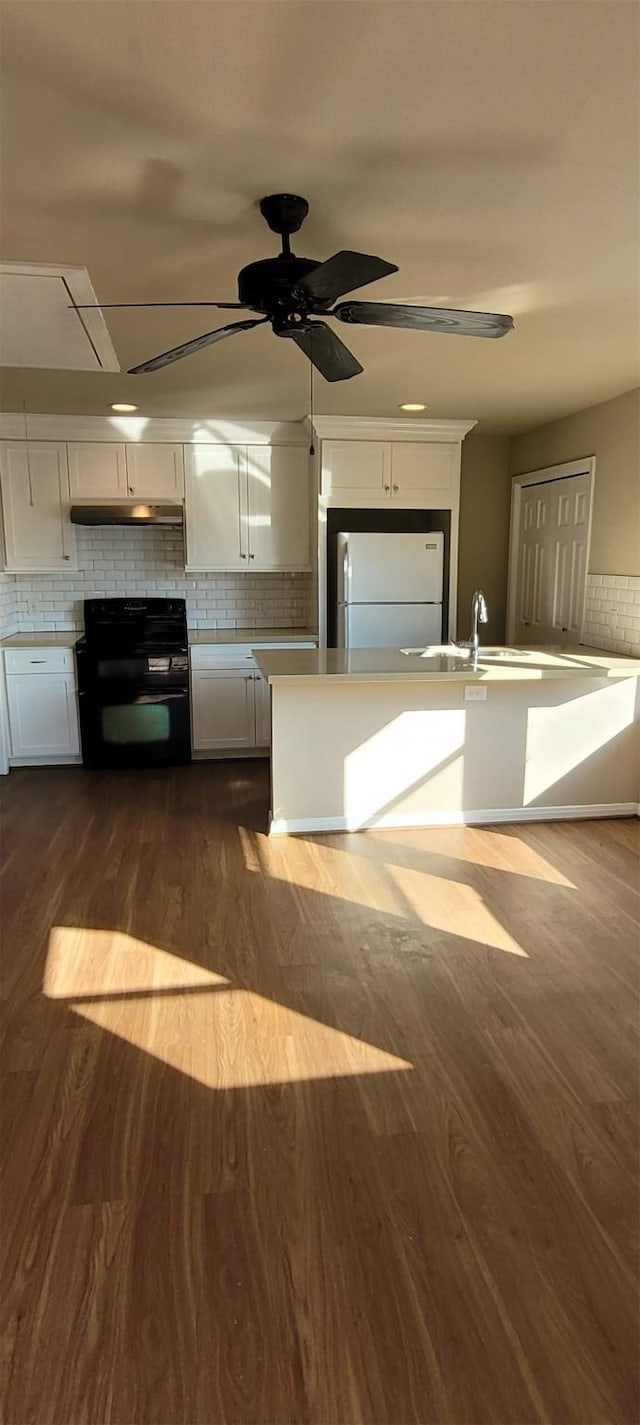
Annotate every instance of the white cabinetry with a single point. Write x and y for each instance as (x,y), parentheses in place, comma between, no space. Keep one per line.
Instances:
(35,499)
(222,708)
(246,507)
(230,700)
(215,507)
(43,708)
(278,506)
(97,470)
(389,470)
(155,471)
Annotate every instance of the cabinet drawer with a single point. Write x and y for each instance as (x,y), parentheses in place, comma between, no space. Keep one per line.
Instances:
(221,655)
(38,660)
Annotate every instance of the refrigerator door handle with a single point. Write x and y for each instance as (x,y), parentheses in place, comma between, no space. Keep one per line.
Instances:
(346,572)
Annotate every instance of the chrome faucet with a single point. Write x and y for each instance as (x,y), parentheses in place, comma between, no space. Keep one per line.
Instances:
(479,614)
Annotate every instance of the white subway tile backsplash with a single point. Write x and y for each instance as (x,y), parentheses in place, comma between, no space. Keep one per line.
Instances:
(612,613)
(114,565)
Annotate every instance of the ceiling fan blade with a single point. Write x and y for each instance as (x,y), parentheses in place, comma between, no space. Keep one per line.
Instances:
(114,306)
(327,352)
(187,347)
(434,319)
(344,272)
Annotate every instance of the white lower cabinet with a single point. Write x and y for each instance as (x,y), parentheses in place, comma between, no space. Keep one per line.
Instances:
(222,709)
(43,715)
(230,700)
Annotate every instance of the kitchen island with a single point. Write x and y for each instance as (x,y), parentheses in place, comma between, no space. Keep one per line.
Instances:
(381,737)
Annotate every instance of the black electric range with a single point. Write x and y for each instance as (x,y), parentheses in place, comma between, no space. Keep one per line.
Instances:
(133,683)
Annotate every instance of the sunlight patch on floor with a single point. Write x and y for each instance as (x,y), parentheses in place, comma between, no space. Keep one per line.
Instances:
(454,908)
(475,847)
(191,1018)
(326,870)
(233,1039)
(81,961)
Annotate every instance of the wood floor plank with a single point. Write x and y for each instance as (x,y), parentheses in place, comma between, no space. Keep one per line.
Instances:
(318,1131)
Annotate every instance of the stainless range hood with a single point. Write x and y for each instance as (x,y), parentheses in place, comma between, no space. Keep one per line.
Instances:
(127,514)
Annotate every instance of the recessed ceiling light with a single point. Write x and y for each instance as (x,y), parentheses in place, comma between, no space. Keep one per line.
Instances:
(412,406)
(123,406)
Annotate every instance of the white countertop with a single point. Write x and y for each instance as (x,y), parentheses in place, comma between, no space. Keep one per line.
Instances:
(372,665)
(196,636)
(41,640)
(251,635)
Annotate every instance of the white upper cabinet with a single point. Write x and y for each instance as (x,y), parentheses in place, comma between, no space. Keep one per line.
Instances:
(35,500)
(351,466)
(247,507)
(423,465)
(278,506)
(155,471)
(215,507)
(97,470)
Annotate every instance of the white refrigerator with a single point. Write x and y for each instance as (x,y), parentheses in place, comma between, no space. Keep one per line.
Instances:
(390,590)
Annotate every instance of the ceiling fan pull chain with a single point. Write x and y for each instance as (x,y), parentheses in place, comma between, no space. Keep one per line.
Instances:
(26,441)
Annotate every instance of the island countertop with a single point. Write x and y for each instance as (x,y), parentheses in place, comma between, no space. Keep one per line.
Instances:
(495,664)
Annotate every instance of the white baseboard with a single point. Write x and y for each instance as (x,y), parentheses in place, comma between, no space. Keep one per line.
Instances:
(64,761)
(227,754)
(280,826)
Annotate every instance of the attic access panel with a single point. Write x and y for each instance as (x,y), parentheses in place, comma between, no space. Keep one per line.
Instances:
(38,327)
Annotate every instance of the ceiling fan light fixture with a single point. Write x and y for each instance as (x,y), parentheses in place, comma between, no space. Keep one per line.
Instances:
(412,406)
(123,407)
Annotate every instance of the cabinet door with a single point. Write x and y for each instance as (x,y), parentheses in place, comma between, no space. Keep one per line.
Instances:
(43,714)
(216,507)
(350,467)
(222,709)
(263,711)
(278,506)
(155,471)
(423,466)
(97,470)
(35,501)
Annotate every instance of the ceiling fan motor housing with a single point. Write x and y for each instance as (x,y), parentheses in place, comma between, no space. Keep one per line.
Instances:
(271,286)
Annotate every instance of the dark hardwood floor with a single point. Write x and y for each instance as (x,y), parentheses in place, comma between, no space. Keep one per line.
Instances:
(313,1131)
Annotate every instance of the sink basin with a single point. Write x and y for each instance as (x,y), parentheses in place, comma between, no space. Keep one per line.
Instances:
(437,650)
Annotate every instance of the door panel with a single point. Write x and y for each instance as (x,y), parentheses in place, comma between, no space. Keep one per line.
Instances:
(552,556)
(222,709)
(423,465)
(278,506)
(97,469)
(215,507)
(349,466)
(392,568)
(35,497)
(43,714)
(392,625)
(155,471)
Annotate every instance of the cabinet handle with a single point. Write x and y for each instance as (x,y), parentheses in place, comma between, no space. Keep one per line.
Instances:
(66,556)
(387,487)
(396,487)
(131,490)
(37,660)
(242,556)
(252,556)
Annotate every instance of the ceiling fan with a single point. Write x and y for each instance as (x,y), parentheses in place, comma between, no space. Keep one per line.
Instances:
(291,291)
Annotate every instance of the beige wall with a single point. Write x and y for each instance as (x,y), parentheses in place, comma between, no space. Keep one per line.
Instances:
(485,500)
(611,432)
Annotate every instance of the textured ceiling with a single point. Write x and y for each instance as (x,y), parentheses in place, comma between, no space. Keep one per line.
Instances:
(489,149)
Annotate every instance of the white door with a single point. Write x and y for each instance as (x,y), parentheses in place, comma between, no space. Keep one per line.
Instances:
(155,471)
(43,715)
(392,568)
(216,507)
(392,625)
(35,498)
(278,506)
(423,466)
(222,709)
(263,711)
(350,467)
(97,470)
(552,554)
(569,538)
